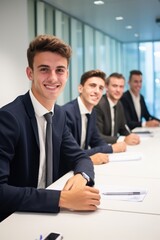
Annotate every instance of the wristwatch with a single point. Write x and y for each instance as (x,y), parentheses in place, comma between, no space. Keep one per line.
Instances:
(86,176)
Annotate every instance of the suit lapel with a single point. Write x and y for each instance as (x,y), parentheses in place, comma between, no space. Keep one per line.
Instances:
(30,110)
(78,121)
(132,105)
(108,113)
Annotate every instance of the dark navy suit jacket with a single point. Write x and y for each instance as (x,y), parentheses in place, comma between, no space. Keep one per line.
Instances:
(130,112)
(19,158)
(96,143)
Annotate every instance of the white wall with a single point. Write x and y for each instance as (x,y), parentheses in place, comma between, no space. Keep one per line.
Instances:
(13,46)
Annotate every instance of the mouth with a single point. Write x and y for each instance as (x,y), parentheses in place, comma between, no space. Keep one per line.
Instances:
(52,87)
(95,98)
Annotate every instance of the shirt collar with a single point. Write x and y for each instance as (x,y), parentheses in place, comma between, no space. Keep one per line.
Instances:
(82,107)
(112,104)
(133,96)
(38,108)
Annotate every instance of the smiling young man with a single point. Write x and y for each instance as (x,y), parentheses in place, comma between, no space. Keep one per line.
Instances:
(135,107)
(110,114)
(84,128)
(22,140)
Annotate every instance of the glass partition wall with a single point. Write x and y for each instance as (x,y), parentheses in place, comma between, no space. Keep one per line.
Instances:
(93,49)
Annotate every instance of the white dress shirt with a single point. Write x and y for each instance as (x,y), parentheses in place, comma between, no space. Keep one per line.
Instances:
(136,101)
(83,112)
(111,104)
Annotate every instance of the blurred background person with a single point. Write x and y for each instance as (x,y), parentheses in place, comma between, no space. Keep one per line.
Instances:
(134,104)
(111,120)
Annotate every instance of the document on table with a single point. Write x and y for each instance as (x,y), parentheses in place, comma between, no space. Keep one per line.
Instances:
(122,193)
(144,133)
(125,156)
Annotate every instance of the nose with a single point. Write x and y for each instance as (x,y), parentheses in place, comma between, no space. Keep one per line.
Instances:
(52,75)
(119,88)
(97,89)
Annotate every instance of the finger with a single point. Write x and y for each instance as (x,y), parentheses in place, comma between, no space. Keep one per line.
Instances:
(92,189)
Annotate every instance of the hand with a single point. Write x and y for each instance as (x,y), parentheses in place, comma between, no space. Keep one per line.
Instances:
(84,199)
(119,147)
(76,181)
(152,123)
(132,139)
(99,158)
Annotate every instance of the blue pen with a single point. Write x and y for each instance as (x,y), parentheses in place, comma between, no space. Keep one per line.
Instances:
(41,237)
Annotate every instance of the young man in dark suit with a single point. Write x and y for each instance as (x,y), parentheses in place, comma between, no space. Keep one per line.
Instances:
(83,129)
(134,104)
(22,140)
(110,114)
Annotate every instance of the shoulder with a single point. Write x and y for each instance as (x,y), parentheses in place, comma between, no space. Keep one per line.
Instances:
(102,102)
(18,106)
(126,97)
(71,109)
(70,105)
(126,94)
(142,97)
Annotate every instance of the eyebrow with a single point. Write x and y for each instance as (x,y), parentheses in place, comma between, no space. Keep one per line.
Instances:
(44,65)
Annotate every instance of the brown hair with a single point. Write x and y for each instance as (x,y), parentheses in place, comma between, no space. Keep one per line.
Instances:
(92,73)
(134,72)
(116,75)
(44,43)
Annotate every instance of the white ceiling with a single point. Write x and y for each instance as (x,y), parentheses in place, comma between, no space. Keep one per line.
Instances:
(141,14)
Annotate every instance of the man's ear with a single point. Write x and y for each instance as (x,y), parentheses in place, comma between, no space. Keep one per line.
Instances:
(29,73)
(80,88)
(106,87)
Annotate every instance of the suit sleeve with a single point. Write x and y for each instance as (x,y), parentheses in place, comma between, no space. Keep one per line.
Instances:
(128,109)
(145,111)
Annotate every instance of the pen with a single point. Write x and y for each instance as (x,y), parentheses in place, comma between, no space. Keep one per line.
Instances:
(126,126)
(41,237)
(122,193)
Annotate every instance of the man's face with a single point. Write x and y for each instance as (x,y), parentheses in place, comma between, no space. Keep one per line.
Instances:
(115,88)
(91,92)
(135,84)
(49,76)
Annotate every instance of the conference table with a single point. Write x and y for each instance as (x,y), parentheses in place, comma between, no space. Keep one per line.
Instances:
(147,167)
(115,219)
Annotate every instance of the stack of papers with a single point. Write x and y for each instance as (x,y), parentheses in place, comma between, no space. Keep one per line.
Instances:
(125,156)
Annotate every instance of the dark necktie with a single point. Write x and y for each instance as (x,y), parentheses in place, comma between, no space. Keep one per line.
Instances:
(86,141)
(49,149)
(115,120)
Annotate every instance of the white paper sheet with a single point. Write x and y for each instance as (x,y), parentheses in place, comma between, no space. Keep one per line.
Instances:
(125,156)
(120,193)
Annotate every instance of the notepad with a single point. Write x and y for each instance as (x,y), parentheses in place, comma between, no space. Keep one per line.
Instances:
(125,156)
